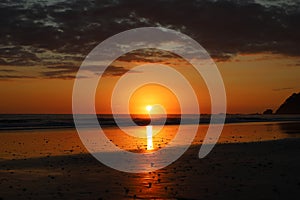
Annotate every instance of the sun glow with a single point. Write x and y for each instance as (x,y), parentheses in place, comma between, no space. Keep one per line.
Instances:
(142,101)
(148,108)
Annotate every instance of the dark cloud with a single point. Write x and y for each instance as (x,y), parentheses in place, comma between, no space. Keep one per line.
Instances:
(293,65)
(69,71)
(147,55)
(116,71)
(111,70)
(16,55)
(62,71)
(73,28)
(4,77)
(281,89)
(7,70)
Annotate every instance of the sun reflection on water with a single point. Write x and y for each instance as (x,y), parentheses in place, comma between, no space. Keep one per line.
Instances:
(149,138)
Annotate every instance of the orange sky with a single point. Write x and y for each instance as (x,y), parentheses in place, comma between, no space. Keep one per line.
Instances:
(253,83)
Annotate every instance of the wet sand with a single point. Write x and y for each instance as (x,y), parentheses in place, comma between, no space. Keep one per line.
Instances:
(62,169)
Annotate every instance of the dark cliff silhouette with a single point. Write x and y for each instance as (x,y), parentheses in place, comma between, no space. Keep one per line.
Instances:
(291,105)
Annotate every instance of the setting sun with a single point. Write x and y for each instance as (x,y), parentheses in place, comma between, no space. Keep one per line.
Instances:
(144,98)
(148,108)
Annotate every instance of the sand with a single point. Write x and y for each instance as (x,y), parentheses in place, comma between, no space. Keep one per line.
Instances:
(61,168)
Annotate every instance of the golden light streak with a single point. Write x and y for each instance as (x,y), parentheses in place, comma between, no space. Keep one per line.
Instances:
(149,138)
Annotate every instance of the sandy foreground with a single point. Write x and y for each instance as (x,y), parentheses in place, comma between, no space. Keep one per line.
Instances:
(48,166)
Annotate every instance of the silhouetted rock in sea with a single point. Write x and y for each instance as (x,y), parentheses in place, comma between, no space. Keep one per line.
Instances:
(268,112)
(291,105)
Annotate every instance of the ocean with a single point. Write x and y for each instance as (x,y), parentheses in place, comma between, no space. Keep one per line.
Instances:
(61,121)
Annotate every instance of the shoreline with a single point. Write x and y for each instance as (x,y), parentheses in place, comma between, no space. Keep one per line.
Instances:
(36,143)
(58,121)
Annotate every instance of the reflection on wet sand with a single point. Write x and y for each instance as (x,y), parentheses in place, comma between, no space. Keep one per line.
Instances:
(231,171)
(47,164)
(290,128)
(149,137)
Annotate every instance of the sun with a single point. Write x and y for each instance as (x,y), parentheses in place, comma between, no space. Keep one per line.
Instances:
(148,108)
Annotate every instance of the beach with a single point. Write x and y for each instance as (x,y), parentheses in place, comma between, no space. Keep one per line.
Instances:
(161,99)
(54,164)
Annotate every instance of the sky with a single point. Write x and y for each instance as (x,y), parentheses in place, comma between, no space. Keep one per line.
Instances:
(254,43)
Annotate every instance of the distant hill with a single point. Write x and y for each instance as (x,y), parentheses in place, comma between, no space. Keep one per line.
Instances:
(291,105)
